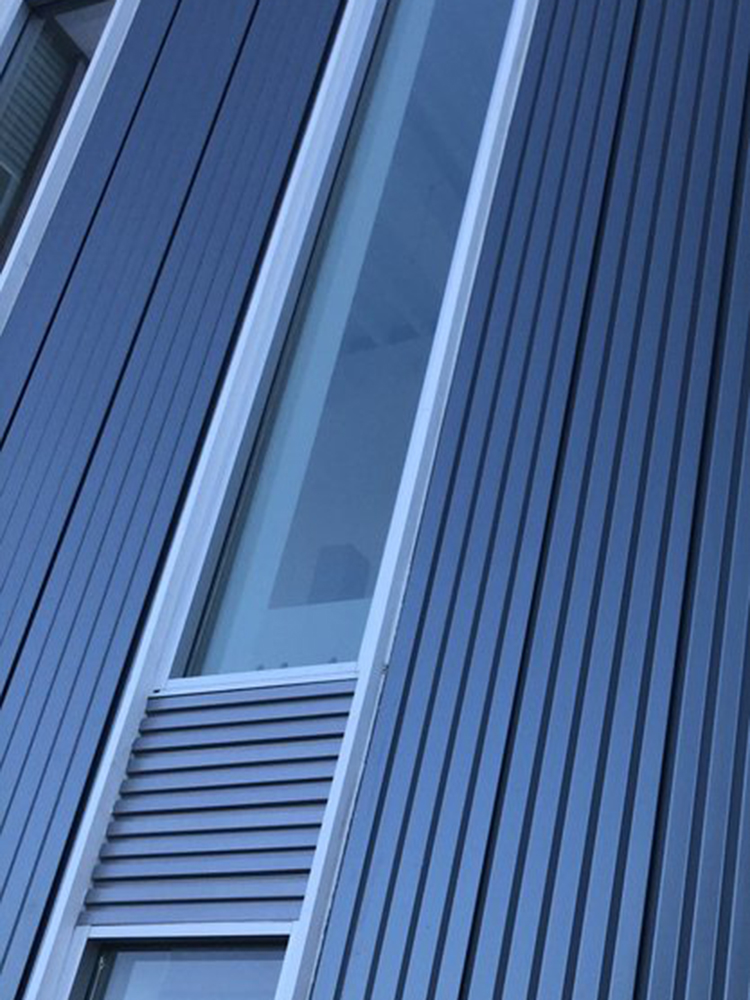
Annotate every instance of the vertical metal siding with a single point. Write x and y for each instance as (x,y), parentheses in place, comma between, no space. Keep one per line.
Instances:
(555,798)
(100,448)
(25,331)
(220,813)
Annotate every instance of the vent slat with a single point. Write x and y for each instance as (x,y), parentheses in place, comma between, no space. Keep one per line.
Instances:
(232,715)
(203,911)
(218,888)
(225,841)
(224,798)
(252,775)
(227,756)
(220,810)
(240,863)
(246,734)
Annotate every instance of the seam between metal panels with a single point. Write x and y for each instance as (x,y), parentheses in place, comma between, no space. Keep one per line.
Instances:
(21,393)
(614,915)
(709,715)
(552,512)
(591,826)
(645,951)
(556,483)
(729,881)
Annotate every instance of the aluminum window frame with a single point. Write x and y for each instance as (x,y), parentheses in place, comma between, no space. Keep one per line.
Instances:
(164,937)
(213,492)
(72,134)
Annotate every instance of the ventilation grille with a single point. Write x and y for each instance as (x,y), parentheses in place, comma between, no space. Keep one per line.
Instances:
(221,808)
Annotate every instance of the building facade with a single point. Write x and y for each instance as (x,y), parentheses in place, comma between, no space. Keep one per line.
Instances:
(374,449)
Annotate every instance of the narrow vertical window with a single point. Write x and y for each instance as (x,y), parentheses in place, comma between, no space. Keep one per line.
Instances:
(297,577)
(37,89)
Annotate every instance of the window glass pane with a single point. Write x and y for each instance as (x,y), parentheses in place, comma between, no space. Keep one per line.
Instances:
(37,88)
(299,572)
(188,974)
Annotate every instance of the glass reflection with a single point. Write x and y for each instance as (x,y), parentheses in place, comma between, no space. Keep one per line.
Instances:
(298,574)
(187,974)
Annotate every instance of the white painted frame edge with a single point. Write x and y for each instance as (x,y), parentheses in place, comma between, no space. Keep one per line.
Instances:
(208,932)
(286,677)
(66,148)
(286,257)
(304,946)
(135,934)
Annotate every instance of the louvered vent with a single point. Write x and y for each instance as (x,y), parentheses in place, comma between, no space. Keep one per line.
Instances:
(29,96)
(221,808)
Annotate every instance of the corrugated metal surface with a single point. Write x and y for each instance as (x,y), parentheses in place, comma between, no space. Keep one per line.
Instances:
(556,799)
(220,813)
(139,305)
(25,332)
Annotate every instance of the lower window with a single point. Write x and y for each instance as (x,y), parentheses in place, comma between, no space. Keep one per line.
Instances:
(181,972)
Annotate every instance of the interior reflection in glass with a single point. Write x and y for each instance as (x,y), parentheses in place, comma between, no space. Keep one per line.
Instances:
(242,973)
(299,571)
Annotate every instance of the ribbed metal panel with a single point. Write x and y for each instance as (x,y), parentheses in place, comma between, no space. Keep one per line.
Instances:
(55,260)
(555,802)
(135,296)
(219,815)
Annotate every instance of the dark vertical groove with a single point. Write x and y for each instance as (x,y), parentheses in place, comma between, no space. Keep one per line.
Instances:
(556,844)
(645,686)
(546,536)
(696,534)
(709,715)
(730,881)
(592,821)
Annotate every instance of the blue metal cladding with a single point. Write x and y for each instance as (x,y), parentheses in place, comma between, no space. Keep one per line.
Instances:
(26,330)
(556,798)
(131,309)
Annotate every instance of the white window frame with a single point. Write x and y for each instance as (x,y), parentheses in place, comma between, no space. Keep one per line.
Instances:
(57,170)
(259,933)
(184,582)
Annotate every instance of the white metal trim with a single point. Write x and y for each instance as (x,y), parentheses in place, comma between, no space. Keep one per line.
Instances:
(301,956)
(208,498)
(66,149)
(86,935)
(286,677)
(204,931)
